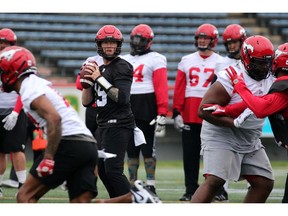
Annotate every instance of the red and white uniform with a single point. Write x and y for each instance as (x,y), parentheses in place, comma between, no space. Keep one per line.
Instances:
(193,79)
(33,87)
(149,76)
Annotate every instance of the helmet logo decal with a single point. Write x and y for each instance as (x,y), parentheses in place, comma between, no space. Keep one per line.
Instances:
(248,47)
(8,55)
(278,52)
(242,31)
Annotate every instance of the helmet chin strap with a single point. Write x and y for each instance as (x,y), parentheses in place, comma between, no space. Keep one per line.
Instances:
(203,49)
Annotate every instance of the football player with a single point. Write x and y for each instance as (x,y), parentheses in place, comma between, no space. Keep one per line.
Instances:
(149,100)
(71,152)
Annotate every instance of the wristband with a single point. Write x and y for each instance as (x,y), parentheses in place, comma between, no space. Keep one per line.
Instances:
(104,83)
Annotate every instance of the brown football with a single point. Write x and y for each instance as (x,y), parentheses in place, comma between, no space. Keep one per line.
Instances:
(86,82)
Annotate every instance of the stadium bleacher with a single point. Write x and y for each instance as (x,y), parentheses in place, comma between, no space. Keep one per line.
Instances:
(277,23)
(61,42)
(75,33)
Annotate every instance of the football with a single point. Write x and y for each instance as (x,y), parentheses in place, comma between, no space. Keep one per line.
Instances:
(86,82)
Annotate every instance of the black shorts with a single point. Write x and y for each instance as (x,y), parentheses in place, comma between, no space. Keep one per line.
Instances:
(14,140)
(75,162)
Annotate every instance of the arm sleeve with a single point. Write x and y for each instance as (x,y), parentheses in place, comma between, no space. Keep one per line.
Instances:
(160,83)
(262,106)
(18,105)
(179,91)
(234,110)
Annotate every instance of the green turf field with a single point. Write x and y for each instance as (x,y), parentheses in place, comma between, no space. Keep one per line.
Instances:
(170,185)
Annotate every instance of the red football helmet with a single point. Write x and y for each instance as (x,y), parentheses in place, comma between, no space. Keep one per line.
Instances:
(109,33)
(8,37)
(233,32)
(207,30)
(257,54)
(7,34)
(15,61)
(280,61)
(141,39)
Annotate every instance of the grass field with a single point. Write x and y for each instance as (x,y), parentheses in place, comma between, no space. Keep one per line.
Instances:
(170,185)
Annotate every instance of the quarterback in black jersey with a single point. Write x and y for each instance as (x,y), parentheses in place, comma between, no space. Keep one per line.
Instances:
(115,119)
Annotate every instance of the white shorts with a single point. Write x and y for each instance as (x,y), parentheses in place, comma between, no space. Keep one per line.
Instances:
(229,165)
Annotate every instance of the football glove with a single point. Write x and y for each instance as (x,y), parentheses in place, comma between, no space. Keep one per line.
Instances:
(246,120)
(178,123)
(217,109)
(234,77)
(10,120)
(45,168)
(178,120)
(160,122)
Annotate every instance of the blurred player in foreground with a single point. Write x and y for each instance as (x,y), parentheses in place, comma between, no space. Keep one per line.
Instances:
(14,124)
(71,152)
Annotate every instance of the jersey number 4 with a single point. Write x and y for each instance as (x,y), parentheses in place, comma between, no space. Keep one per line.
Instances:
(138,73)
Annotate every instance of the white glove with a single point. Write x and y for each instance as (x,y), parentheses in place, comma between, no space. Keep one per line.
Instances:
(103,154)
(247,120)
(10,120)
(178,123)
(160,122)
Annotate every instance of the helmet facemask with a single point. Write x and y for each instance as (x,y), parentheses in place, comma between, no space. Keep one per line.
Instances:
(139,45)
(102,52)
(259,69)
(204,48)
(234,53)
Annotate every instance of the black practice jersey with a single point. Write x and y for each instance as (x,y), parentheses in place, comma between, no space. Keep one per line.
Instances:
(119,73)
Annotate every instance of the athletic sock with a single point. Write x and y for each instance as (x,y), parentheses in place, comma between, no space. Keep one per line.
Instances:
(21,175)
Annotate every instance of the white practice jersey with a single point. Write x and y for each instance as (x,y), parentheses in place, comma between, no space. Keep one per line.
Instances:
(143,76)
(32,87)
(224,63)
(8,100)
(199,73)
(236,139)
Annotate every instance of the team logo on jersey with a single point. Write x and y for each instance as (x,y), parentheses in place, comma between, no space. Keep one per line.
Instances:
(8,55)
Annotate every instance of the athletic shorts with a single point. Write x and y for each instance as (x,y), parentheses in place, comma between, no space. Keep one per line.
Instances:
(75,162)
(229,165)
(14,140)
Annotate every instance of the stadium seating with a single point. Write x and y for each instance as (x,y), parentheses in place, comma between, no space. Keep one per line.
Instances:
(61,42)
(276,23)
(75,33)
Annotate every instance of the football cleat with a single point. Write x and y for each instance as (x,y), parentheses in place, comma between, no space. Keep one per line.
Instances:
(10,183)
(186,197)
(141,194)
(221,196)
